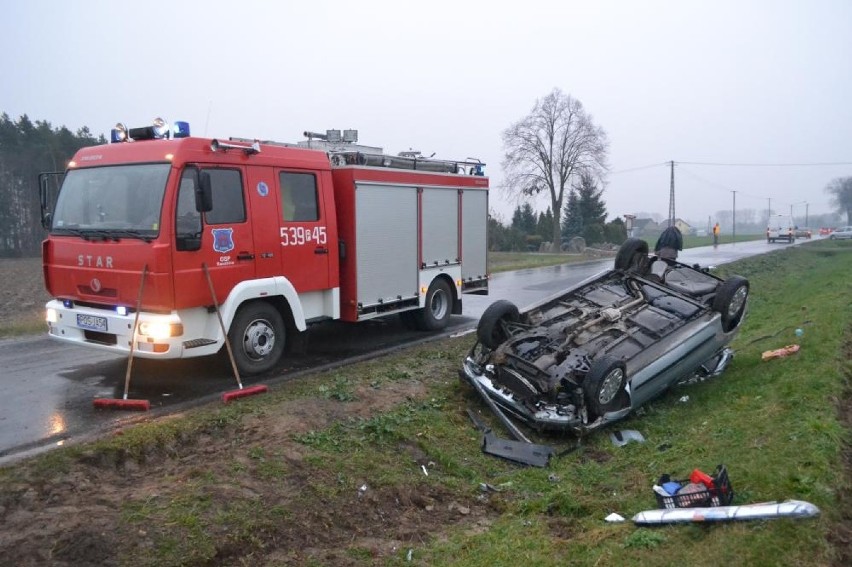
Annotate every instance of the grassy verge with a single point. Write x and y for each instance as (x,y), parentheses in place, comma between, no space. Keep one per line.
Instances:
(508,261)
(697,241)
(377,461)
(26,325)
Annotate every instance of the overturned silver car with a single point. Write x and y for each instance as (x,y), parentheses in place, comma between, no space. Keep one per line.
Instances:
(591,355)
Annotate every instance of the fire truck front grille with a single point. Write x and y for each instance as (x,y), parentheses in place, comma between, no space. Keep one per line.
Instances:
(100,338)
(105,292)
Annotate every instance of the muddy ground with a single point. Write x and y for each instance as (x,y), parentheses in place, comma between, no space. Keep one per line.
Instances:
(83,515)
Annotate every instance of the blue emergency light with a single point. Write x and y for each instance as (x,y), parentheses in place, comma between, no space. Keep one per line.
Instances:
(159,130)
(180,129)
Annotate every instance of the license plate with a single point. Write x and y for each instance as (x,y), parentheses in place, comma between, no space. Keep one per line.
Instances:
(92,322)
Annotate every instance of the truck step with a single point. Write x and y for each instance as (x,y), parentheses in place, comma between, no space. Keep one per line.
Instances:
(195,343)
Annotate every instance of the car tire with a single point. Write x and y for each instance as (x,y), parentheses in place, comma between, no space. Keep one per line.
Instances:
(730,301)
(257,336)
(435,315)
(490,330)
(604,385)
(631,254)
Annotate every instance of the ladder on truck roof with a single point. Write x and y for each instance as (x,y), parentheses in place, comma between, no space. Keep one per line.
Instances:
(348,154)
(406,160)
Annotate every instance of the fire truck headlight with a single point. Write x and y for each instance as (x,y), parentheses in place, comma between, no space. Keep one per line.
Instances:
(121,310)
(159,330)
(161,128)
(50,316)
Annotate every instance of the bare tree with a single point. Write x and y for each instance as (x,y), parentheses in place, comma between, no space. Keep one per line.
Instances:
(547,148)
(841,195)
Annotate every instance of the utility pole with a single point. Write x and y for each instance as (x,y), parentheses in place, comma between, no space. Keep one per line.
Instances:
(768,210)
(734,222)
(806,214)
(672,199)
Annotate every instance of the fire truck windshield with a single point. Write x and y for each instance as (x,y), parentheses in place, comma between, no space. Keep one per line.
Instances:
(112,202)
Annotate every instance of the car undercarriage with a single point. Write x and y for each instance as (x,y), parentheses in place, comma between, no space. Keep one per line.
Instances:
(592,354)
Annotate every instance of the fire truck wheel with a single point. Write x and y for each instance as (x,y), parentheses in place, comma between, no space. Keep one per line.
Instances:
(439,304)
(257,337)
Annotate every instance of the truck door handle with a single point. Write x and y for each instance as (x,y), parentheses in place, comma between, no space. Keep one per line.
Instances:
(320,250)
(245,256)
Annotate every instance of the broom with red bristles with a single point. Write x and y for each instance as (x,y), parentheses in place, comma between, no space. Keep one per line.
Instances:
(124,403)
(241,392)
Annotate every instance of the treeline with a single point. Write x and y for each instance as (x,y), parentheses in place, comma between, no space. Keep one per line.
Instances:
(584,215)
(28,148)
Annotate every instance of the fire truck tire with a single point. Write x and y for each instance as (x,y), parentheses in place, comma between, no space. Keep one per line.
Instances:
(439,305)
(257,336)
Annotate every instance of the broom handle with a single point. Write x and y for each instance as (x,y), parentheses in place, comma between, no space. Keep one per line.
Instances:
(133,334)
(222,325)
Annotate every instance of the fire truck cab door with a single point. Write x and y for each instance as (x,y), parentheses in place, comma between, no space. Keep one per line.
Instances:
(305,242)
(227,246)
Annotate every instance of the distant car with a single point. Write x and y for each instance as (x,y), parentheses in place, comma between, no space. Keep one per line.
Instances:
(780,227)
(824,231)
(594,353)
(841,233)
(803,232)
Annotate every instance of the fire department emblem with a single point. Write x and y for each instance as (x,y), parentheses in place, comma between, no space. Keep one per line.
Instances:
(262,189)
(223,240)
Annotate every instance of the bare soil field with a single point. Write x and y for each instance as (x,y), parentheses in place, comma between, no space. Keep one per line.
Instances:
(22,294)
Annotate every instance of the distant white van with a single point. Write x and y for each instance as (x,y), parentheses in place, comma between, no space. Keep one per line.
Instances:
(780,227)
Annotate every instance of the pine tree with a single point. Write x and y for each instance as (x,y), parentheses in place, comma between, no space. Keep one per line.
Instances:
(585,211)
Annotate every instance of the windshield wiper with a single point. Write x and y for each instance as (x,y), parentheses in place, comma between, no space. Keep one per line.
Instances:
(131,234)
(84,233)
(105,234)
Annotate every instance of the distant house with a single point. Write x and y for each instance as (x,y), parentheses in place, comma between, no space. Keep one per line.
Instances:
(683,226)
(644,226)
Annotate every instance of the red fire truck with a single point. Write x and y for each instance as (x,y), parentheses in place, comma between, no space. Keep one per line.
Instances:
(286,236)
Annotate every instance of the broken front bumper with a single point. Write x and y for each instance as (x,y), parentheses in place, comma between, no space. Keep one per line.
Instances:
(544,417)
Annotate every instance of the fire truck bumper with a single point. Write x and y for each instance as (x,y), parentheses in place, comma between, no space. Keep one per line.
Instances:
(111,329)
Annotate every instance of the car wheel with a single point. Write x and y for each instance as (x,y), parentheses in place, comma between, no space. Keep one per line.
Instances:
(439,305)
(257,337)
(491,331)
(730,301)
(604,385)
(631,254)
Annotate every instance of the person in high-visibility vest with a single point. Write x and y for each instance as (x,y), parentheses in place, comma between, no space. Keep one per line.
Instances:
(716,231)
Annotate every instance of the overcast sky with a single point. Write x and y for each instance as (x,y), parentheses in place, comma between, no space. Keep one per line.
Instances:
(724,82)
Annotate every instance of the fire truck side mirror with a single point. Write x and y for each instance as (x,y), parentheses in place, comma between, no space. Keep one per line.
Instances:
(203,193)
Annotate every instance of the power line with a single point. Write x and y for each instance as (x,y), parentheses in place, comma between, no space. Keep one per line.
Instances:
(728,187)
(813,164)
(665,163)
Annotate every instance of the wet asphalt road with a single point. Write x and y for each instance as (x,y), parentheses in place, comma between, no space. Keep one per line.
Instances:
(48,387)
